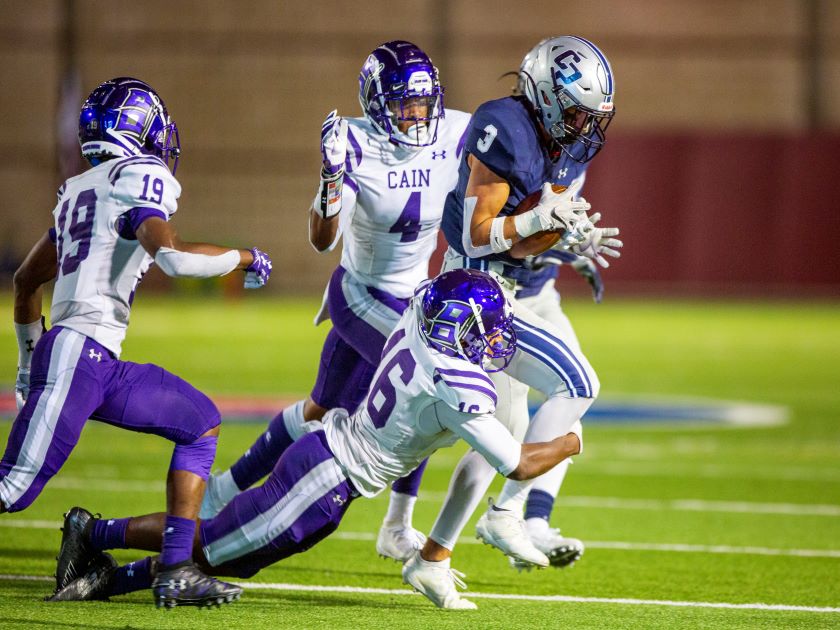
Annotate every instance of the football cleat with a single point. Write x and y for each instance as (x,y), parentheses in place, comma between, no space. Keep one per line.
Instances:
(212,503)
(185,584)
(75,554)
(398,542)
(505,530)
(437,581)
(92,585)
(561,551)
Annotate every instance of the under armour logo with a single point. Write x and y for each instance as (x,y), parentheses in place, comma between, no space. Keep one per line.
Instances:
(267,437)
(110,522)
(30,345)
(441,154)
(129,570)
(95,355)
(562,173)
(339,499)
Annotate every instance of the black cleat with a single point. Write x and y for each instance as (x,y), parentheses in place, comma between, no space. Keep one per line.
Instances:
(93,585)
(185,585)
(75,554)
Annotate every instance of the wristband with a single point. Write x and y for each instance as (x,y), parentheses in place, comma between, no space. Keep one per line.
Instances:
(527,223)
(328,199)
(498,242)
(27,337)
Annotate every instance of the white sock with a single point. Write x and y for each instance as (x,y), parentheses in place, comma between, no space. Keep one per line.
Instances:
(470,480)
(400,510)
(294,421)
(513,496)
(225,487)
(551,481)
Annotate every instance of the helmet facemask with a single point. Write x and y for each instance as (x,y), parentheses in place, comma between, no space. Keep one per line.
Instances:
(399,86)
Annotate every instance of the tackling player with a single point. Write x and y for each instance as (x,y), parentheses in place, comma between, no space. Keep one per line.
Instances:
(515,146)
(111,223)
(431,388)
(383,184)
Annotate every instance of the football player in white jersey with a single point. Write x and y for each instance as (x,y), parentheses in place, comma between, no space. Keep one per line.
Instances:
(111,223)
(384,179)
(430,389)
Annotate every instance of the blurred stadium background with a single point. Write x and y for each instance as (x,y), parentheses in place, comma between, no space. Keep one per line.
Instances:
(721,167)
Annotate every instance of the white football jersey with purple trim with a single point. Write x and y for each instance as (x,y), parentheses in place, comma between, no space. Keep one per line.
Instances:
(420,400)
(100,260)
(392,202)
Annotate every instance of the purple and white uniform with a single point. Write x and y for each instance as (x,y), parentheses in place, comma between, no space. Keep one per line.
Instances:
(421,400)
(392,205)
(76,371)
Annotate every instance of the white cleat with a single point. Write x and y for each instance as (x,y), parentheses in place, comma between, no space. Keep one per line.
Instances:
(212,503)
(437,581)
(561,551)
(398,542)
(505,530)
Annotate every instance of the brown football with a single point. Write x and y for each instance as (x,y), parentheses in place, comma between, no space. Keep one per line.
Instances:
(541,241)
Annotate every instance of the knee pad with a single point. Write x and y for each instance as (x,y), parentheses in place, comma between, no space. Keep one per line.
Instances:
(196,457)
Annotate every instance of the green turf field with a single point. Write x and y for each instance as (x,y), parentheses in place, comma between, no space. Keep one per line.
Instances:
(687,526)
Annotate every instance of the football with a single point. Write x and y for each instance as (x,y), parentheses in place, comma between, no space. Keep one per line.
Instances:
(541,241)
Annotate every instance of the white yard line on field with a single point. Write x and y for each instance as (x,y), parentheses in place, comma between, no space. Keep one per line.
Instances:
(590,544)
(568,599)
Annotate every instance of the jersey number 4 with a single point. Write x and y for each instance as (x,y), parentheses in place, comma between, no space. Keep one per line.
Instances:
(408,225)
(79,231)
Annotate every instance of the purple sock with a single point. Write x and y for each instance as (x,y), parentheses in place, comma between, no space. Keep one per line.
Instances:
(410,484)
(259,460)
(135,576)
(178,536)
(539,505)
(109,534)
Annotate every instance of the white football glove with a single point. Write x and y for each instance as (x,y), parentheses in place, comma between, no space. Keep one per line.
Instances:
(333,153)
(333,143)
(21,387)
(555,211)
(598,242)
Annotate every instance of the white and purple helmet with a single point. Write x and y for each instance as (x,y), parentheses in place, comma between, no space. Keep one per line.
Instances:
(463,312)
(569,83)
(396,77)
(124,117)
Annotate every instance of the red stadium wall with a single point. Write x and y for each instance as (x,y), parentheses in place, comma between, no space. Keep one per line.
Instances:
(728,214)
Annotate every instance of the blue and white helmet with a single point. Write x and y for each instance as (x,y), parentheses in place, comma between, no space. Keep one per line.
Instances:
(570,85)
(395,78)
(463,312)
(125,117)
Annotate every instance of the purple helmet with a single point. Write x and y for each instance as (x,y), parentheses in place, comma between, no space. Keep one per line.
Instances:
(464,312)
(397,78)
(124,117)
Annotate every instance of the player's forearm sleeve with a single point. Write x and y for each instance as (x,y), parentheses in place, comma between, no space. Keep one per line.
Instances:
(486,435)
(185,264)
(473,251)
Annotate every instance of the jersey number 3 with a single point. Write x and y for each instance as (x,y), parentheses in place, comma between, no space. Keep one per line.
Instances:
(79,231)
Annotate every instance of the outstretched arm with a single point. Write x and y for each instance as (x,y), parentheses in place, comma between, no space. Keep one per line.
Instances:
(179,258)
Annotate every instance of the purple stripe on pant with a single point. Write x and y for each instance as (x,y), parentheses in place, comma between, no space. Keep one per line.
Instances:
(252,515)
(74,378)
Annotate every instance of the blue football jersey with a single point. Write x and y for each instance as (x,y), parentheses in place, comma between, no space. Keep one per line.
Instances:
(503,136)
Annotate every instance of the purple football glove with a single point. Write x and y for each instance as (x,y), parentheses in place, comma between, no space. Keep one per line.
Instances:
(257,273)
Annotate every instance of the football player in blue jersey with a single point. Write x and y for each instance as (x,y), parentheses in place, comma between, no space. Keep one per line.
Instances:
(515,146)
